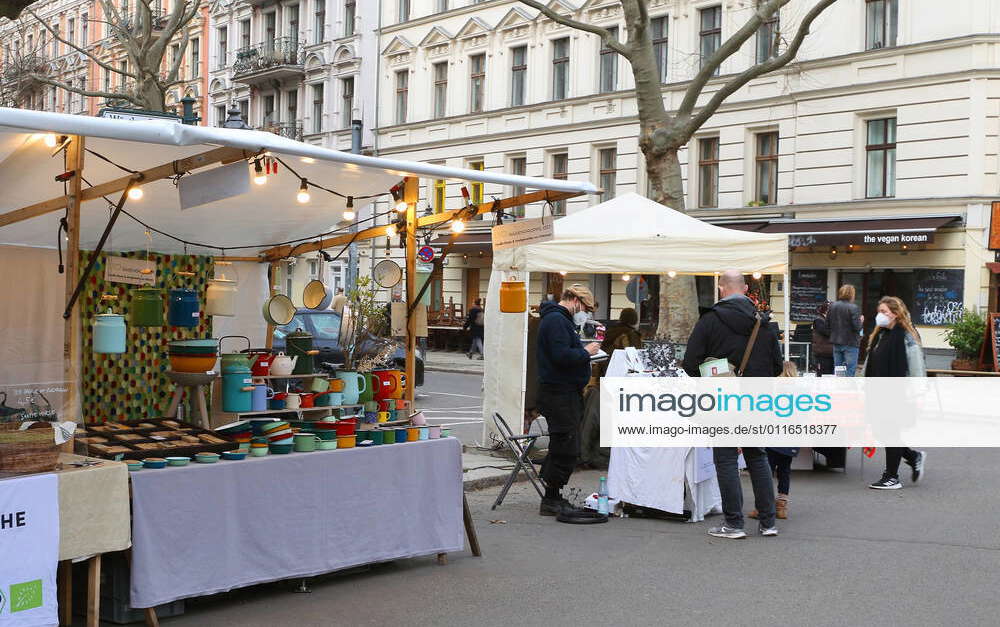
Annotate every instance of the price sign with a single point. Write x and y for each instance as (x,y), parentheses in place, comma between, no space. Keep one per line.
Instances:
(425,254)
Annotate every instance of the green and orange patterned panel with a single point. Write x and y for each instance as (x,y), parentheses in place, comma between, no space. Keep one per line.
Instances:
(134,385)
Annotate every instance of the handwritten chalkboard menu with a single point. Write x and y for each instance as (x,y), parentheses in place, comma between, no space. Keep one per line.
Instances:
(808,293)
(938,296)
(995,323)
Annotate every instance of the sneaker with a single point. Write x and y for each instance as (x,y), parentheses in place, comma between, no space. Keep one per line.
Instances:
(768,531)
(918,466)
(886,483)
(731,533)
(552,507)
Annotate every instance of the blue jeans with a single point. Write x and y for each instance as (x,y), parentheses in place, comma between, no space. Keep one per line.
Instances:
(844,355)
(727,470)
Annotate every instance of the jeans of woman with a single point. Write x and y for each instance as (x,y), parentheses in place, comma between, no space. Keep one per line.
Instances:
(847,356)
(782,466)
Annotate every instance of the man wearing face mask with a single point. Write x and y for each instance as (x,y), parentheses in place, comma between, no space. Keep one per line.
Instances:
(563,372)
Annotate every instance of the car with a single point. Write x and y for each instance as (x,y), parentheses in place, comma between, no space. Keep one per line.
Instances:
(324,325)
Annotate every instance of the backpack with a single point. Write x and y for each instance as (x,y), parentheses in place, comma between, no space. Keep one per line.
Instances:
(479,321)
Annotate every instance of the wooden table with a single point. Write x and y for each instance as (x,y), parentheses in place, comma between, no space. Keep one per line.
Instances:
(960,373)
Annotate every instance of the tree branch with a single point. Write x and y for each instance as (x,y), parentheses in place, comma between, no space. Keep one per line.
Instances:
(726,50)
(89,55)
(175,67)
(758,70)
(605,35)
(84,92)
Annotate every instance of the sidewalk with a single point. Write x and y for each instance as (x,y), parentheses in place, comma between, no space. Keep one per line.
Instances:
(452,361)
(481,470)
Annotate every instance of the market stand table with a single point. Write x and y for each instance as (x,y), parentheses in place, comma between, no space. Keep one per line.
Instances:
(204,529)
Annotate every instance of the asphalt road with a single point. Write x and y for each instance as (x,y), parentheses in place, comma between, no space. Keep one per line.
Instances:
(924,555)
(454,400)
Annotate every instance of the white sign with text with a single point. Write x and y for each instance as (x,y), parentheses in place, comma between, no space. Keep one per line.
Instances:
(29,550)
(131,271)
(523,232)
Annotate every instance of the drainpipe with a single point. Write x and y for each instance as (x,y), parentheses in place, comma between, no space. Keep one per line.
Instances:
(352,255)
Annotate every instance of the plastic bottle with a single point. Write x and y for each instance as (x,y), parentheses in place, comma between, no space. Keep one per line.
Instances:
(602,497)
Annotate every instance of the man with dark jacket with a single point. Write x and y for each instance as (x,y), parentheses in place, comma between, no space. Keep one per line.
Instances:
(476,328)
(723,332)
(563,372)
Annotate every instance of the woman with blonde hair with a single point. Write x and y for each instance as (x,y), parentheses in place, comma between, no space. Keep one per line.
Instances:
(894,351)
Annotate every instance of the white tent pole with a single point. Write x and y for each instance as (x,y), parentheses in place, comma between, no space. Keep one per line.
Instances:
(788,317)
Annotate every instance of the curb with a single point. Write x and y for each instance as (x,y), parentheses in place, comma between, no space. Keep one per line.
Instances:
(471,485)
(451,370)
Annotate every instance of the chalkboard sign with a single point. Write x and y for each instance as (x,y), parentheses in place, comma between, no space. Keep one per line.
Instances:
(808,293)
(938,296)
(995,323)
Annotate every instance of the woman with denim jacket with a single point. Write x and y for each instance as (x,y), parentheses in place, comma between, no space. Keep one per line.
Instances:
(894,351)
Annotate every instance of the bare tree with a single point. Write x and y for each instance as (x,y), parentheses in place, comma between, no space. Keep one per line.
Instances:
(663,133)
(144,36)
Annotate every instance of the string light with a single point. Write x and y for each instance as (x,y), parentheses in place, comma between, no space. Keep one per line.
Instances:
(308,160)
(626,277)
(390,231)
(562,272)
(349,211)
(50,140)
(397,197)
(757,276)
(135,193)
(672,274)
(457,226)
(259,177)
(303,195)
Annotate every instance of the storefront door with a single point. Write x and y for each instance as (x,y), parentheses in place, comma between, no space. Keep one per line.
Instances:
(873,285)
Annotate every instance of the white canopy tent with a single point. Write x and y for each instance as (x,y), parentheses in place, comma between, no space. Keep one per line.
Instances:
(631,234)
(267,214)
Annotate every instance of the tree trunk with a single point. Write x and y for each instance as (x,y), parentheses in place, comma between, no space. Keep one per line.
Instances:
(152,94)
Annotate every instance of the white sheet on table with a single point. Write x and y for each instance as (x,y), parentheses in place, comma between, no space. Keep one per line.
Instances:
(29,552)
(648,477)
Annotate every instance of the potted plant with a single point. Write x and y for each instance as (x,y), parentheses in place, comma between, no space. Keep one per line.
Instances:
(966,336)
(362,315)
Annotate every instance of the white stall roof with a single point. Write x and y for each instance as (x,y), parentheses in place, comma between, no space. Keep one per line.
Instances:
(268,214)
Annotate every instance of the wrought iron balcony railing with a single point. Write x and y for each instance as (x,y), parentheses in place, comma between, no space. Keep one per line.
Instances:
(289,130)
(281,51)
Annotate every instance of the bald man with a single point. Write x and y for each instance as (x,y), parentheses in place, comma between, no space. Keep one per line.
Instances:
(723,333)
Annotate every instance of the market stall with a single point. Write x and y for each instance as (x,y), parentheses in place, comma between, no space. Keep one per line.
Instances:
(628,234)
(176,207)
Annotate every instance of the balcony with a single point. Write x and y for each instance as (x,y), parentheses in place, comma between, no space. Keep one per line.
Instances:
(134,22)
(289,130)
(279,59)
(259,3)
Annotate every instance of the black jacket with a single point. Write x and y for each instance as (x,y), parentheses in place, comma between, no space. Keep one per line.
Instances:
(562,359)
(844,319)
(477,330)
(723,332)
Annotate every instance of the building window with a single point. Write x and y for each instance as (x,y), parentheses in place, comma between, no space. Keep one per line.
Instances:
(195,57)
(245,110)
(402,95)
(880,23)
(403,10)
(518,166)
(107,80)
(269,117)
(710,35)
(270,29)
(767,38)
(708,172)
(293,23)
(292,108)
(560,68)
(442,6)
(518,74)
(477,82)
(82,84)
(346,102)
(84,29)
(70,30)
(349,13)
(317,112)
(55,51)
(440,193)
(607,158)
(766,162)
(319,22)
(659,34)
(609,64)
(245,33)
(476,187)
(880,155)
(220,115)
(441,89)
(223,58)
(560,171)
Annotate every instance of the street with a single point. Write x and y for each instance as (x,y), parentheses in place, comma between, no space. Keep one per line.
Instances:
(456,400)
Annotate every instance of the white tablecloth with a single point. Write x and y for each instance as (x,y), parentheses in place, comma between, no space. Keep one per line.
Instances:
(203,529)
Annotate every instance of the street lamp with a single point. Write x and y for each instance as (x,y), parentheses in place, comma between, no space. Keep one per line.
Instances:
(234,119)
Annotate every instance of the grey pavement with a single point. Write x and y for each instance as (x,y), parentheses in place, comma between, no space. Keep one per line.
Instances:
(925,555)
(453,362)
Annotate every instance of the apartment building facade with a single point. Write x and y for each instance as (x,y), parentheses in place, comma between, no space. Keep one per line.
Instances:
(876,150)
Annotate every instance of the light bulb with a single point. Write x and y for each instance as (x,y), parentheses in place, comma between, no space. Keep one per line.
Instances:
(390,231)
(308,160)
(626,277)
(349,214)
(457,226)
(757,276)
(50,140)
(135,193)
(672,274)
(562,272)
(303,195)
(401,207)
(258,174)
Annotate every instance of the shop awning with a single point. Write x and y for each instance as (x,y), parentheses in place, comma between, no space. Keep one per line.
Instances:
(875,232)
(265,216)
(471,243)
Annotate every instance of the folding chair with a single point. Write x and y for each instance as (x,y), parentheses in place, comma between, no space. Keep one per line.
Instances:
(520,447)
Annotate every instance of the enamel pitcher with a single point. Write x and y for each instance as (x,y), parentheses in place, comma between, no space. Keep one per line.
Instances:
(354,385)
